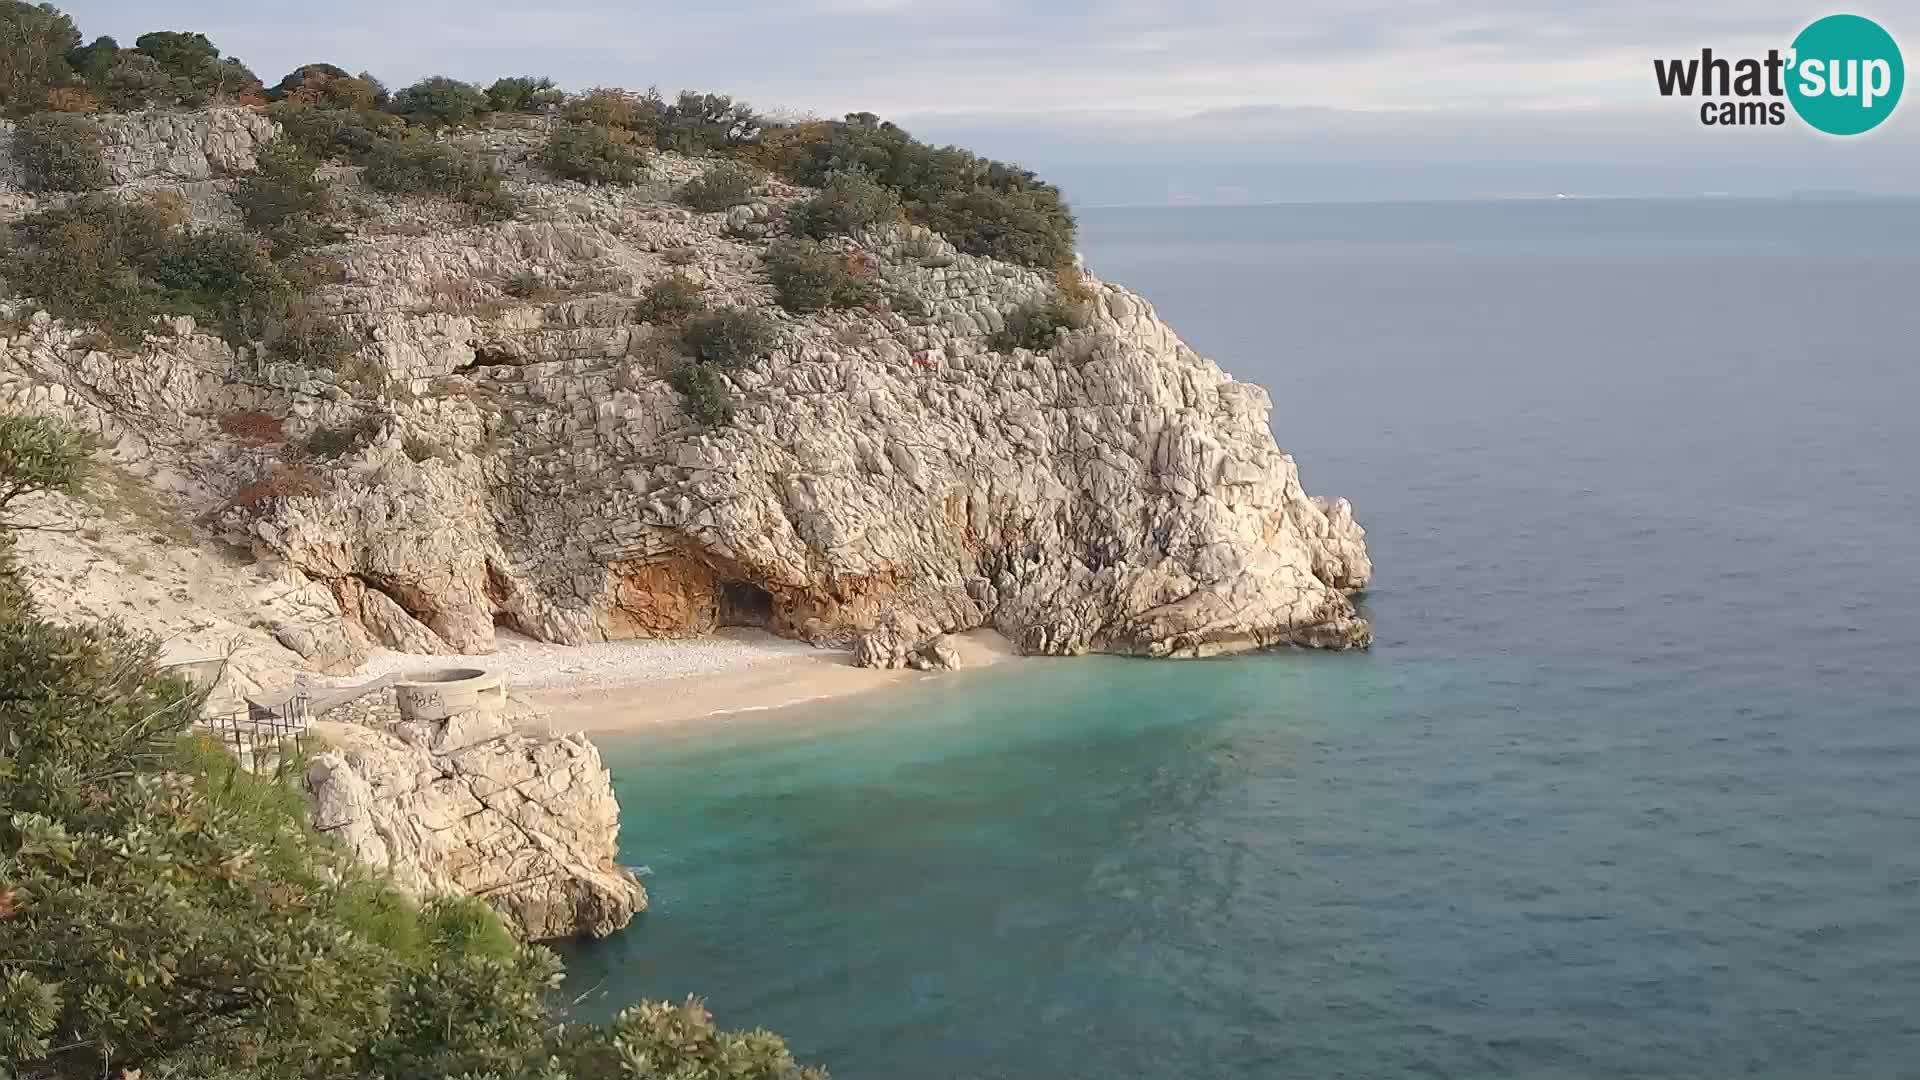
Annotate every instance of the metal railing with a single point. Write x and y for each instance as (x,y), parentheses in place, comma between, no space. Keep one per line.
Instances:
(256,732)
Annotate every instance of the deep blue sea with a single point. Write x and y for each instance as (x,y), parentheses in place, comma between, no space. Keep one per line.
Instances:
(1629,786)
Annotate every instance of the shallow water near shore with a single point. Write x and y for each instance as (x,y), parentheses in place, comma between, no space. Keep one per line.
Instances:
(1630,784)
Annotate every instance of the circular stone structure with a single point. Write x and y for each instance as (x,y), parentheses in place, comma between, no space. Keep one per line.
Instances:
(436,695)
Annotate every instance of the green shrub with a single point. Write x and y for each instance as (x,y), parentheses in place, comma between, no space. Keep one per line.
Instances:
(808,277)
(329,134)
(223,279)
(984,207)
(119,264)
(709,400)
(305,76)
(1029,227)
(724,186)
(521,94)
(670,299)
(1036,325)
(285,202)
(92,61)
(41,455)
(185,55)
(850,202)
(698,123)
(616,108)
(594,153)
(301,333)
(137,81)
(325,86)
(440,102)
(729,337)
(420,167)
(59,152)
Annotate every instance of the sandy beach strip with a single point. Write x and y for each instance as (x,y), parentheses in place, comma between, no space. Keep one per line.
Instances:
(631,685)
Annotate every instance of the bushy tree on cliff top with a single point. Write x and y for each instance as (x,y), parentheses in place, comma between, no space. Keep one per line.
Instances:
(34,42)
(163,913)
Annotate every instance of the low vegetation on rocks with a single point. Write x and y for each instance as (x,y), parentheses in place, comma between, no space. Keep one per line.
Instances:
(708,398)
(285,202)
(523,94)
(719,188)
(594,153)
(671,299)
(440,102)
(1037,326)
(729,337)
(809,277)
(301,332)
(120,264)
(848,203)
(719,342)
(983,207)
(693,123)
(59,152)
(333,442)
(424,167)
(325,86)
(336,133)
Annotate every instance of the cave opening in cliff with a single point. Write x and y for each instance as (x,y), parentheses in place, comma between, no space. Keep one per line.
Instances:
(745,604)
(487,356)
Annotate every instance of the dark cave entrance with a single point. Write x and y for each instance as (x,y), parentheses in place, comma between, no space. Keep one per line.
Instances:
(488,356)
(745,604)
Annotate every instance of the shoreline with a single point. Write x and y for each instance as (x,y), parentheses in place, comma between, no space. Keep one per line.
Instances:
(765,686)
(631,686)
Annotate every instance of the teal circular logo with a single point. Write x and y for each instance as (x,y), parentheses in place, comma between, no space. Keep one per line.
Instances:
(1847,75)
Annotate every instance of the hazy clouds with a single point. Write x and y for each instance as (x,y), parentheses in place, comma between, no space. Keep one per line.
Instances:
(1302,99)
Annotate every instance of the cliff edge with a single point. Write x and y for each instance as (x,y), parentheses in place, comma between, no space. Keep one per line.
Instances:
(520,459)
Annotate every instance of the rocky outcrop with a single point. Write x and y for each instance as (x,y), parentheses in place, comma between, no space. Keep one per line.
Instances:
(160,148)
(888,647)
(463,804)
(940,654)
(172,147)
(1115,492)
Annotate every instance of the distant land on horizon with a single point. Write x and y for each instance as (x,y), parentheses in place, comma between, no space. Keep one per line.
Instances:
(1837,195)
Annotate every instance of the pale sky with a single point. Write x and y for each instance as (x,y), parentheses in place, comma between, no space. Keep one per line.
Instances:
(1262,99)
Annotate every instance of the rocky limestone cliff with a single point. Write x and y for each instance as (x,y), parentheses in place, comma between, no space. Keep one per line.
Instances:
(530,468)
(469,806)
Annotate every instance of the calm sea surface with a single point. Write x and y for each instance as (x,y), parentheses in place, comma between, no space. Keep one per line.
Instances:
(1629,786)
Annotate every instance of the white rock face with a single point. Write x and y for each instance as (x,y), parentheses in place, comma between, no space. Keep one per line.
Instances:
(1115,493)
(160,148)
(1119,493)
(464,806)
(173,147)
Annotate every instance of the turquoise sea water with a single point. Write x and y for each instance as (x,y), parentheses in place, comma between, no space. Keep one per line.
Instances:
(1629,786)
